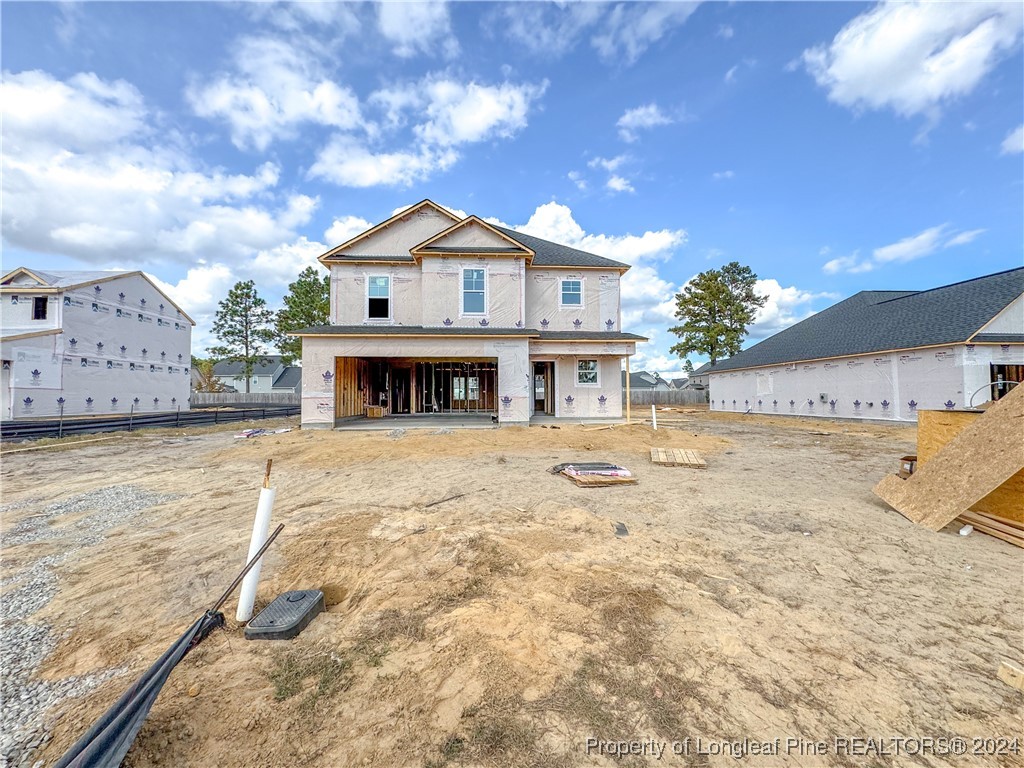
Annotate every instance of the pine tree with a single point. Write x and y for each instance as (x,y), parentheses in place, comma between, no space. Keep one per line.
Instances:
(716,308)
(243,327)
(306,304)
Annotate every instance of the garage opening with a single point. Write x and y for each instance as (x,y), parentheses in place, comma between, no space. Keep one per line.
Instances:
(397,386)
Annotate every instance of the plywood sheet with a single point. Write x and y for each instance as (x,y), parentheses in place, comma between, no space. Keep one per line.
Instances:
(597,481)
(677,457)
(979,459)
(936,428)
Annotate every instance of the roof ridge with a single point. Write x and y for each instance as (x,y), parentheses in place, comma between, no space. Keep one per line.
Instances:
(953,285)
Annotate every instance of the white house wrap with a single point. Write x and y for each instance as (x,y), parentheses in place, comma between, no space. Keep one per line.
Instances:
(91,343)
(435,314)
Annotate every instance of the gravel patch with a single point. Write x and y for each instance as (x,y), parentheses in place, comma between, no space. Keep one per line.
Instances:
(24,644)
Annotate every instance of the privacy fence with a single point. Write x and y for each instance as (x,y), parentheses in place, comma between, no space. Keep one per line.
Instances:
(695,397)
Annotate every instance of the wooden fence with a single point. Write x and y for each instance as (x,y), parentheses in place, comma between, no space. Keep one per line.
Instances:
(666,397)
(235,398)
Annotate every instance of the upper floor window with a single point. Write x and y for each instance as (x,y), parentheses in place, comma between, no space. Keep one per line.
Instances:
(378,298)
(39,308)
(474,298)
(572,293)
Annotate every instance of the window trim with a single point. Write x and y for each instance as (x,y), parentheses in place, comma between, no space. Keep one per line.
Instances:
(36,304)
(462,291)
(561,293)
(597,372)
(366,302)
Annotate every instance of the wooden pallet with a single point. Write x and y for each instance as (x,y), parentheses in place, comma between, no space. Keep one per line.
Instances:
(1002,528)
(677,457)
(597,481)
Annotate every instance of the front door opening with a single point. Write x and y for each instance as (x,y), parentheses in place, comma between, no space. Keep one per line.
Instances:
(543,388)
(1002,378)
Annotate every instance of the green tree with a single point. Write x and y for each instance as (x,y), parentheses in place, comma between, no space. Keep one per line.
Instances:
(715,309)
(204,378)
(688,367)
(306,304)
(243,325)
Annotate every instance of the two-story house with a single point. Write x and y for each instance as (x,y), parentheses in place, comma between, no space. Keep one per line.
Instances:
(78,343)
(269,376)
(433,314)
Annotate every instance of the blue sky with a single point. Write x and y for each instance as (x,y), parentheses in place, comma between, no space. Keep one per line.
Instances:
(833,147)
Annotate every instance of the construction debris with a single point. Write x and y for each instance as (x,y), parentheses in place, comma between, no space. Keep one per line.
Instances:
(983,456)
(591,474)
(1012,675)
(247,433)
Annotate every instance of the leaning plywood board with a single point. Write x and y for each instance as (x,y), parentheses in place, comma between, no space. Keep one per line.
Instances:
(677,457)
(936,428)
(969,467)
(598,481)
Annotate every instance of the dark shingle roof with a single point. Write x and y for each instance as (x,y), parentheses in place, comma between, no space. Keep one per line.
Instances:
(267,366)
(706,368)
(554,255)
(999,338)
(290,378)
(877,321)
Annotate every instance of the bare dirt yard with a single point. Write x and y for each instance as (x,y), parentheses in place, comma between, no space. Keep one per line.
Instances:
(771,596)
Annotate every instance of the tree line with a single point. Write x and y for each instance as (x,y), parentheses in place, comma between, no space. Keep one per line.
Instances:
(246,327)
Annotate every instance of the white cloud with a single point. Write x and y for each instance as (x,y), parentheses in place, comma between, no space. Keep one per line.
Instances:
(417,28)
(462,113)
(137,195)
(297,16)
(1013,144)
(730,76)
(610,164)
(631,28)
(344,229)
(620,33)
(347,162)
(913,247)
(725,32)
(619,184)
(785,307)
(723,175)
(447,113)
(914,57)
(963,238)
(633,120)
(917,246)
(277,88)
(577,178)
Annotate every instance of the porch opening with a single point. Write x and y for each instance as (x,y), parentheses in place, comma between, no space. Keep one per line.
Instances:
(408,386)
(544,388)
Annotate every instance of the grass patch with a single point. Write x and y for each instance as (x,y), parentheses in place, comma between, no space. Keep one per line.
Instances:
(291,671)
(627,612)
(376,636)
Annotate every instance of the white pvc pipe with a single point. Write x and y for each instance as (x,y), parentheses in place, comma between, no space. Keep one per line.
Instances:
(260,528)
(654,417)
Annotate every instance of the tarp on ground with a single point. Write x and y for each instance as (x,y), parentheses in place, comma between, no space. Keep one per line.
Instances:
(108,741)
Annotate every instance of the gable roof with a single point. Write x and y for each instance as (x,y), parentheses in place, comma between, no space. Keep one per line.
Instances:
(267,366)
(52,281)
(289,378)
(880,321)
(435,244)
(548,254)
(335,254)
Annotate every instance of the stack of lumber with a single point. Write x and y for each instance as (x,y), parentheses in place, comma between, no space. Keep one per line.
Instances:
(677,457)
(1001,527)
(975,469)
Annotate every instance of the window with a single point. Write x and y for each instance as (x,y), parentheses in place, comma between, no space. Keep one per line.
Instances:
(39,308)
(586,371)
(474,301)
(572,293)
(378,301)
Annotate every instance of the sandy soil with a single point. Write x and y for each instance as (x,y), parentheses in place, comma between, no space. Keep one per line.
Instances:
(770,596)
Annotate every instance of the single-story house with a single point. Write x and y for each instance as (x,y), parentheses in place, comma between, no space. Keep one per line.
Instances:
(886,354)
(265,374)
(79,343)
(289,381)
(431,313)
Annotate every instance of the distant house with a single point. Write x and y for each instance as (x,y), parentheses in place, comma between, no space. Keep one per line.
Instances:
(699,378)
(646,381)
(82,343)
(679,384)
(886,354)
(269,375)
(289,381)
